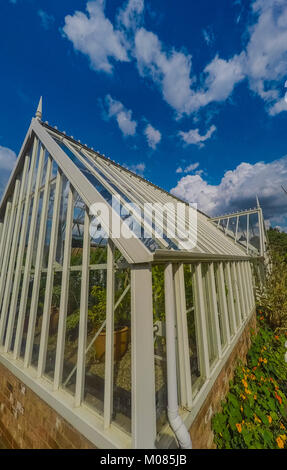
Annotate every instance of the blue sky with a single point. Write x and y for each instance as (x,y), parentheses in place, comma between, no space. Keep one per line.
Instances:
(189,94)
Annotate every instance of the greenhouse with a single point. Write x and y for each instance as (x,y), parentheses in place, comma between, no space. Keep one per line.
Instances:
(123,336)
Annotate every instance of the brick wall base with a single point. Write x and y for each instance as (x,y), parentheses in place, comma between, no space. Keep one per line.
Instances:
(201,431)
(27,422)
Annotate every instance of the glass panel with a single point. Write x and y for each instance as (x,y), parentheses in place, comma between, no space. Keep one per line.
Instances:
(159,346)
(78,232)
(208,312)
(122,351)
(125,215)
(39,319)
(39,214)
(192,328)
(48,226)
(17,314)
(254,233)
(219,307)
(242,230)
(53,325)
(27,313)
(96,341)
(62,221)
(72,331)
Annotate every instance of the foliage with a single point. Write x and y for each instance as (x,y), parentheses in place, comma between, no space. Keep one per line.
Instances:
(278,242)
(254,414)
(97,302)
(273,298)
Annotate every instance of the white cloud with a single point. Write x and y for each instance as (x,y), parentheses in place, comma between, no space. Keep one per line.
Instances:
(171,71)
(122,115)
(208,36)
(95,36)
(138,168)
(238,188)
(7,159)
(188,169)
(193,136)
(266,52)
(46,19)
(153,136)
(131,15)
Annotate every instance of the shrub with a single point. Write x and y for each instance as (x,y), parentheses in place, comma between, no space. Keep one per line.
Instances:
(254,414)
(273,298)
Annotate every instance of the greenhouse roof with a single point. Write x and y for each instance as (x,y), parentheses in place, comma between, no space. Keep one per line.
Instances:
(97,179)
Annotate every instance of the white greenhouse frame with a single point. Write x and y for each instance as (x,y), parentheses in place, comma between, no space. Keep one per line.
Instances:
(226,287)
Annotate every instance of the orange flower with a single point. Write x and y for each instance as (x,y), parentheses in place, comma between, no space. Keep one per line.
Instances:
(239,428)
(256,419)
(280,442)
(282,426)
(276,337)
(265,361)
(254,368)
(245,383)
(255,397)
(269,419)
(261,318)
(241,409)
(247,391)
(278,397)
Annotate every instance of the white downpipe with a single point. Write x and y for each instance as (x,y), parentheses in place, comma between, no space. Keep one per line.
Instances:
(175,420)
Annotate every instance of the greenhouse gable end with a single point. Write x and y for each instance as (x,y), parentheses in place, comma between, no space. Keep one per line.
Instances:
(112,342)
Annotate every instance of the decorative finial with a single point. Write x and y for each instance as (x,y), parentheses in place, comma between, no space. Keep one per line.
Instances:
(39,110)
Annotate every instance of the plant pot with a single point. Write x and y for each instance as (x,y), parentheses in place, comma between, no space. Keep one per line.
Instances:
(121,342)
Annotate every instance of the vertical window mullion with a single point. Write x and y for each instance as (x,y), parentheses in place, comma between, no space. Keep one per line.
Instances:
(13,254)
(245,287)
(81,359)
(249,271)
(201,323)
(214,308)
(28,263)
(8,244)
(50,276)
(109,357)
(182,338)
(230,295)
(234,279)
(64,292)
(38,267)
(241,290)
(223,302)
(20,255)
(4,231)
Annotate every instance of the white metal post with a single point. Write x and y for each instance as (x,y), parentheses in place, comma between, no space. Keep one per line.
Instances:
(143,369)
(38,267)
(223,303)
(4,231)
(109,356)
(13,254)
(182,333)
(230,295)
(236,294)
(81,359)
(201,323)
(50,277)
(214,308)
(10,233)
(60,350)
